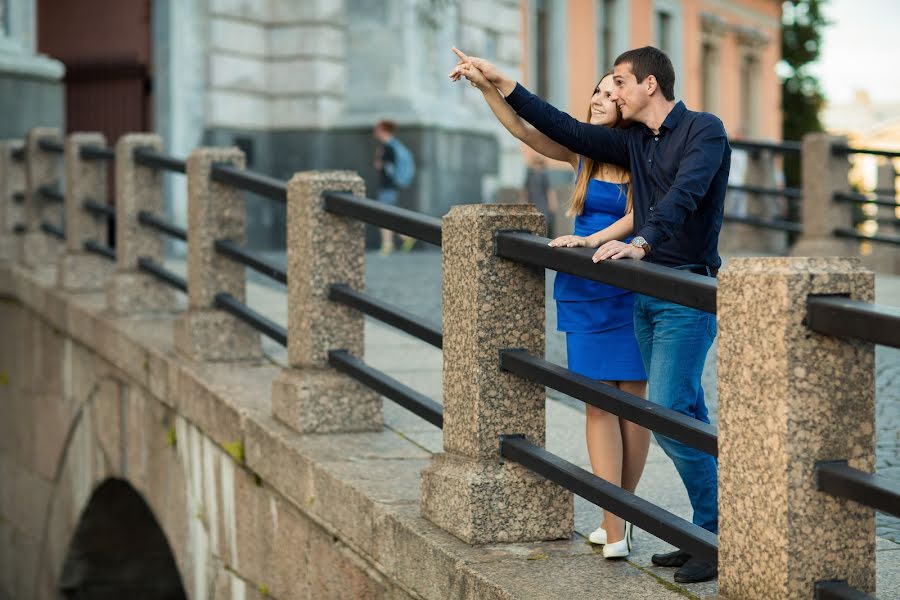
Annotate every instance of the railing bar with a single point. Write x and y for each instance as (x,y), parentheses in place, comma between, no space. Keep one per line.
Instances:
(53,230)
(674,285)
(257,321)
(51,193)
(98,248)
(839,479)
(765,223)
(18,197)
(96,153)
(843,149)
(839,590)
(148,157)
(148,265)
(99,209)
(19,228)
(854,198)
(401,220)
(685,429)
(387,386)
(782,147)
(843,317)
(653,519)
(18,154)
(250,181)
(387,313)
(161,225)
(251,259)
(880,238)
(51,146)
(792,193)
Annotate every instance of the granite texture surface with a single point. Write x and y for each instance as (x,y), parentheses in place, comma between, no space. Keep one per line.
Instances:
(788,398)
(214,335)
(324,401)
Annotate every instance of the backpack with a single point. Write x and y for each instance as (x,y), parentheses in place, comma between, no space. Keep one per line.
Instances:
(404,164)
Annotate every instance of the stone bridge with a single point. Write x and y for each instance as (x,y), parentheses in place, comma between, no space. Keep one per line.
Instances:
(152,446)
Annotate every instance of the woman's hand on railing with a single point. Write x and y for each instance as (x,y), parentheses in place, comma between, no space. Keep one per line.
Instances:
(571,241)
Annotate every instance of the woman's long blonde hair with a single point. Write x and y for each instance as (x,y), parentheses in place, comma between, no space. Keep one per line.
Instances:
(591,168)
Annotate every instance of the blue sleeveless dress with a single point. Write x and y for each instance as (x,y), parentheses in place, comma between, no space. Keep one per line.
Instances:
(597,318)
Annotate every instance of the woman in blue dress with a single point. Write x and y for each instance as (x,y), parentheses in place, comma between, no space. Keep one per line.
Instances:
(597,318)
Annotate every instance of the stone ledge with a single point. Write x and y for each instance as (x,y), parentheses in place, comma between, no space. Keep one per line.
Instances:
(361,489)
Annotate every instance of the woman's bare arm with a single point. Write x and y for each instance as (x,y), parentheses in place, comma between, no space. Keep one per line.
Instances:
(619,230)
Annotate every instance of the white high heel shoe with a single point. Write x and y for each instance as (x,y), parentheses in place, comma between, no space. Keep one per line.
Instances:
(619,549)
(598,536)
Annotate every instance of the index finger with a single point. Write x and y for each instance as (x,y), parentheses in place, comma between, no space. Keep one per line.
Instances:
(460,54)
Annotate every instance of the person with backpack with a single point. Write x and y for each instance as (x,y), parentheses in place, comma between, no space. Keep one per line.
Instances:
(396,170)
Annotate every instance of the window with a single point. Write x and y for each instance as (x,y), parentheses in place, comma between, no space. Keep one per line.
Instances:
(749,81)
(709,68)
(664,31)
(606,13)
(542,48)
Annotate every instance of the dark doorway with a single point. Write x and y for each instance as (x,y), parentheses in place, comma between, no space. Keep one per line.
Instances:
(119,551)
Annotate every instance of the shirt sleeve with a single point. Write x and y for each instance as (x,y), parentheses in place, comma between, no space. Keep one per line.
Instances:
(703,155)
(600,143)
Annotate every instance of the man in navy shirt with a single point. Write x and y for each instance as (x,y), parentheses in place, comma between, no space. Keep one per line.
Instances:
(679,161)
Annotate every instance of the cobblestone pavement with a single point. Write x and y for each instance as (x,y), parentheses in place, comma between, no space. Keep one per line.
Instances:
(413,281)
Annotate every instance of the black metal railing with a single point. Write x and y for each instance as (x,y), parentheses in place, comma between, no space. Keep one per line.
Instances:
(149,157)
(18,197)
(880,238)
(99,209)
(843,150)
(387,386)
(250,181)
(763,223)
(51,194)
(256,320)
(788,147)
(51,146)
(653,519)
(667,422)
(251,259)
(839,479)
(403,221)
(790,193)
(96,153)
(103,250)
(839,590)
(18,154)
(151,267)
(682,287)
(53,230)
(161,225)
(386,313)
(856,198)
(840,316)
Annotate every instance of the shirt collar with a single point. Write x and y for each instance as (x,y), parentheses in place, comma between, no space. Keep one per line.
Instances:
(674,117)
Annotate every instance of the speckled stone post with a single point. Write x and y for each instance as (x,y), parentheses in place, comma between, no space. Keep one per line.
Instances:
(490,303)
(85,179)
(12,206)
(824,174)
(787,399)
(138,188)
(885,258)
(41,169)
(215,211)
(322,249)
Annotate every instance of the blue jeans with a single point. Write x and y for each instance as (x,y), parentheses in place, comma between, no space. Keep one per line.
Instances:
(673,341)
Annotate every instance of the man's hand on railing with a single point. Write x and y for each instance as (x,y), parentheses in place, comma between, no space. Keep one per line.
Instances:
(616,249)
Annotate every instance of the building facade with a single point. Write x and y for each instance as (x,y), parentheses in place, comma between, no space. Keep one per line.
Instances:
(298,84)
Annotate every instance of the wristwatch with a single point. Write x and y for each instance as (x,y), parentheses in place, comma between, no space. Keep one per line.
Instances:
(641,243)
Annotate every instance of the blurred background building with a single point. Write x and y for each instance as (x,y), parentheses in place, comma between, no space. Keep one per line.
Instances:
(298,84)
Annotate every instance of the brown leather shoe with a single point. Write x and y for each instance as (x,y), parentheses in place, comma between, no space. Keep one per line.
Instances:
(678,558)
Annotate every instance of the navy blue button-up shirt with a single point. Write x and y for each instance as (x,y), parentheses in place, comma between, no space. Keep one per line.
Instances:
(679,175)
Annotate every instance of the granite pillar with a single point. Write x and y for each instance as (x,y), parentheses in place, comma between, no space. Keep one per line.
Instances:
(130,291)
(12,197)
(788,398)
(823,175)
(880,257)
(322,249)
(490,303)
(85,180)
(42,168)
(215,211)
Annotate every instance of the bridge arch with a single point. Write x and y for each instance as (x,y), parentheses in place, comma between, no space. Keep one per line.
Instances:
(119,550)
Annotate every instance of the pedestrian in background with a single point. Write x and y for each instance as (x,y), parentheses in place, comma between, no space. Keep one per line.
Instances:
(396,169)
(537,190)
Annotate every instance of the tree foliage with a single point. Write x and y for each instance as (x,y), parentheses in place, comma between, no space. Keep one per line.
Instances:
(802,97)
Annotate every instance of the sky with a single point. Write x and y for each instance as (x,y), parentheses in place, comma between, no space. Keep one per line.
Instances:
(860,50)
